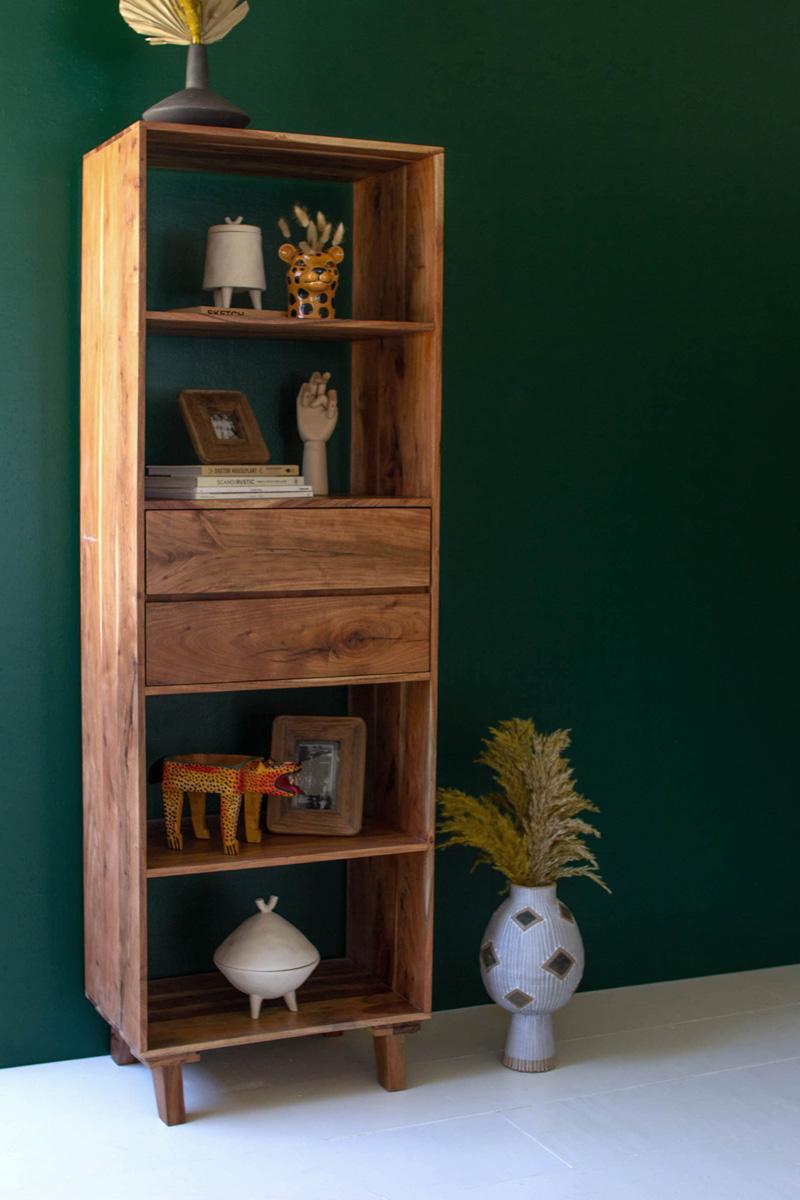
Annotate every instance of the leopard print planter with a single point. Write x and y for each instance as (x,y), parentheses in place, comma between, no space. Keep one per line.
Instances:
(312,281)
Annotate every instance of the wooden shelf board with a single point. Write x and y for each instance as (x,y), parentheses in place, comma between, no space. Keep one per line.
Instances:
(268,685)
(203,1012)
(275,850)
(186,323)
(298,502)
(263,152)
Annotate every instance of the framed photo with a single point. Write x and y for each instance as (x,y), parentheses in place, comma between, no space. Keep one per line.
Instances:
(331,752)
(222,427)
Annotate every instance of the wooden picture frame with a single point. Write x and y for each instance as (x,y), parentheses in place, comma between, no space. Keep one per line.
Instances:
(336,746)
(222,426)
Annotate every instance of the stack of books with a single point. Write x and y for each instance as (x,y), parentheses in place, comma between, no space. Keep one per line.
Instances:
(272,481)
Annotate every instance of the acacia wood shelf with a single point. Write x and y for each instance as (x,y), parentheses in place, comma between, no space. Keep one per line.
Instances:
(195,596)
(203,1012)
(300,502)
(275,850)
(263,152)
(179,323)
(267,685)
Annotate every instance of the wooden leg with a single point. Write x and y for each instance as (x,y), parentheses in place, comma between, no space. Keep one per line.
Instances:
(120,1051)
(173,810)
(168,1084)
(390,1059)
(197,805)
(252,816)
(229,808)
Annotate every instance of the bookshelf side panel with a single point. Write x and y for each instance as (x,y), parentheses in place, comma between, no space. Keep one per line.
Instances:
(390,900)
(395,452)
(397,274)
(111,528)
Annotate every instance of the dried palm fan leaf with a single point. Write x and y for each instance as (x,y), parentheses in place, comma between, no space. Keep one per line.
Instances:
(220,17)
(183,22)
(160,21)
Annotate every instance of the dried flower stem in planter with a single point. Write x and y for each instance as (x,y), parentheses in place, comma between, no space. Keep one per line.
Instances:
(317,233)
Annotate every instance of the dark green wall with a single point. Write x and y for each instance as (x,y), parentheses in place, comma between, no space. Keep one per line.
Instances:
(622,264)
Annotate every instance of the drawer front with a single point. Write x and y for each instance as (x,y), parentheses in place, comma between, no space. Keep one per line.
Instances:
(217,552)
(310,637)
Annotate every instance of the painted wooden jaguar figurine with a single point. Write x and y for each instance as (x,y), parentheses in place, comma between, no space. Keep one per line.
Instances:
(313,266)
(231,777)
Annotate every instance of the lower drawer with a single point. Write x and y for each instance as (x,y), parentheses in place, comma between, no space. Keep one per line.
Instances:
(319,637)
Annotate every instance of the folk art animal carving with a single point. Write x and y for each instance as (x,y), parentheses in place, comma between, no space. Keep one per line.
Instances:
(232,778)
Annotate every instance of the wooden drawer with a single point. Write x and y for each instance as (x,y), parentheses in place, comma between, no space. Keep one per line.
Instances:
(310,637)
(224,551)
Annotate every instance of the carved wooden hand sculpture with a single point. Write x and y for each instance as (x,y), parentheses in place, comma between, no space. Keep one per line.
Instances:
(317,414)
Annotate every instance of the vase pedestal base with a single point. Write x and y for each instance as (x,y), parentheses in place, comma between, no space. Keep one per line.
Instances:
(530,1044)
(196,104)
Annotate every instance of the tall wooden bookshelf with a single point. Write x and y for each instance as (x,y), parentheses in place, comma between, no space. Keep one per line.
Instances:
(156,622)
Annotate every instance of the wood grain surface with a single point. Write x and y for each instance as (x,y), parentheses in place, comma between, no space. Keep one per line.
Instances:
(310,502)
(395,435)
(263,152)
(186,323)
(201,1012)
(111,527)
(200,856)
(214,553)
(390,1059)
(208,641)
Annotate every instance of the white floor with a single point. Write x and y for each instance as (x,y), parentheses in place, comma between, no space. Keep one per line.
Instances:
(674,1091)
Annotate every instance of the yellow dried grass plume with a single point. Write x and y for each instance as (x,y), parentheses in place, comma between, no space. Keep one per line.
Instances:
(530,829)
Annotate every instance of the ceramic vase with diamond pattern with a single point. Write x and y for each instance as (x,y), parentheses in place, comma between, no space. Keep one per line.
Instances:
(531,963)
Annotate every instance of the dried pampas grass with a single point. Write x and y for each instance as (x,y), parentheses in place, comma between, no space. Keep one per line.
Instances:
(530,829)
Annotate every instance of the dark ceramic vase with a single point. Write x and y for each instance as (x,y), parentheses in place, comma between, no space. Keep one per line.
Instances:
(195,104)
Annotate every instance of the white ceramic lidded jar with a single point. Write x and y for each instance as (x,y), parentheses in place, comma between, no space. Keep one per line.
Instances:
(266,957)
(234,262)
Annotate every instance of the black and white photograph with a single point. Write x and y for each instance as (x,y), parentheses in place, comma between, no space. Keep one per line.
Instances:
(226,427)
(331,755)
(318,775)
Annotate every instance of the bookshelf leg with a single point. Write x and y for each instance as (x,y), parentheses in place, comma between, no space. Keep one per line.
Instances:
(390,1059)
(120,1051)
(168,1086)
